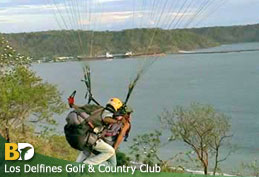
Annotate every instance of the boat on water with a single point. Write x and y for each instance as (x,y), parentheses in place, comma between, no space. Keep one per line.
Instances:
(184,51)
(101,57)
(109,56)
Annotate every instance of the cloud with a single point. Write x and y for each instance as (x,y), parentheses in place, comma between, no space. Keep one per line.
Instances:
(4,20)
(136,19)
(30,9)
(64,15)
(5,1)
(108,17)
(25,23)
(107,1)
(115,14)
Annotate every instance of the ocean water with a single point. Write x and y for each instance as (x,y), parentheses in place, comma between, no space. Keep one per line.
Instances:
(229,82)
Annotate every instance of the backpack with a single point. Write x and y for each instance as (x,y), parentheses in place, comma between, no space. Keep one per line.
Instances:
(77,130)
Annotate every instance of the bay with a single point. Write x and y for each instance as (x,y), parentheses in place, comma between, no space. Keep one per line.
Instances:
(228,81)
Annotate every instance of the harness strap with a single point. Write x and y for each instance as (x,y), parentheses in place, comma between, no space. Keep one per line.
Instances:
(90,124)
(108,108)
(84,117)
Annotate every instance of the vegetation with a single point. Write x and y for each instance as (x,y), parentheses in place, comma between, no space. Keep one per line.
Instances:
(52,44)
(232,34)
(122,159)
(23,94)
(250,168)
(145,148)
(10,58)
(44,142)
(201,128)
(66,43)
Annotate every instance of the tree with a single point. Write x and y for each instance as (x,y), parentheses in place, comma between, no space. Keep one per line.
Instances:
(201,128)
(10,58)
(145,148)
(249,169)
(27,94)
(23,94)
(122,158)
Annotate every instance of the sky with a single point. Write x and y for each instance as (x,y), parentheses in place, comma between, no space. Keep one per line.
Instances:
(42,15)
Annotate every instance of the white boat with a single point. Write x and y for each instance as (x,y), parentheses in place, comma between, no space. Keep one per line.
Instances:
(108,55)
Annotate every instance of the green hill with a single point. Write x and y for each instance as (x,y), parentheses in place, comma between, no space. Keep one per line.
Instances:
(74,43)
(232,34)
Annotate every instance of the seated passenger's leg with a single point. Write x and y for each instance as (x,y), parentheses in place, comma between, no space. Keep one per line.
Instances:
(83,155)
(106,152)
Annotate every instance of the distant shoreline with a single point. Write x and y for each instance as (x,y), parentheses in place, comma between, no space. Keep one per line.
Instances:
(46,46)
(180,52)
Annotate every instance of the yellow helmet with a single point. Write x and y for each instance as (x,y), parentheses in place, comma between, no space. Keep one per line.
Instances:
(116,103)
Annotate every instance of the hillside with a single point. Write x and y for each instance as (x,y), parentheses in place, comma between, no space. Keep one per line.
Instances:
(74,43)
(232,34)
